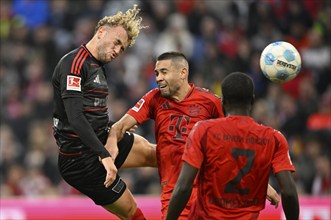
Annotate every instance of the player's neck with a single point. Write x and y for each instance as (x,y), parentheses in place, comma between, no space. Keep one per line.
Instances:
(90,46)
(238,111)
(182,93)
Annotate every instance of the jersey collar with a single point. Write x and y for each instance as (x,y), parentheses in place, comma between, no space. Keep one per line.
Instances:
(90,54)
(191,90)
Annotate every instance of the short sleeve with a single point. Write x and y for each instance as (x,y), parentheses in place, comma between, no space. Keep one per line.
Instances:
(193,152)
(70,83)
(142,111)
(217,110)
(281,160)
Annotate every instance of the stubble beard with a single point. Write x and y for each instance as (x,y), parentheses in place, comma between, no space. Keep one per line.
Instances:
(166,94)
(102,55)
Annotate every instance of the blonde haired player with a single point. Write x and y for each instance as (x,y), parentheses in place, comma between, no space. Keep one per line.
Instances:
(81,122)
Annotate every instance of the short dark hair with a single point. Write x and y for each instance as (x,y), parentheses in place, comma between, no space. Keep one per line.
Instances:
(171,55)
(238,89)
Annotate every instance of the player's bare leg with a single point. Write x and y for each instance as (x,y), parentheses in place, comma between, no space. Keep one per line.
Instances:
(142,154)
(125,207)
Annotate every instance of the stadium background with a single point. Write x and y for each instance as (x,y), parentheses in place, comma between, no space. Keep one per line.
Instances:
(217,36)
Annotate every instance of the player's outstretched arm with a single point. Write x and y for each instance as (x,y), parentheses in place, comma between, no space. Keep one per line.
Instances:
(272,196)
(182,191)
(289,194)
(117,131)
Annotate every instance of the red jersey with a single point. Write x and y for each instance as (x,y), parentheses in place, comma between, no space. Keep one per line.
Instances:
(173,123)
(235,156)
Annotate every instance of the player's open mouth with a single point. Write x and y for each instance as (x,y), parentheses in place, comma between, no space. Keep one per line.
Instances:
(163,86)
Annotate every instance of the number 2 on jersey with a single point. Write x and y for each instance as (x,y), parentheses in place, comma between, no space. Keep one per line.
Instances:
(230,187)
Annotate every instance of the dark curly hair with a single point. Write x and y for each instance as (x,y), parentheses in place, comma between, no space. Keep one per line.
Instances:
(238,89)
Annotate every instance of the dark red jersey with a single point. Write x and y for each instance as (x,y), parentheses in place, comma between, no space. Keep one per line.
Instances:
(173,123)
(235,156)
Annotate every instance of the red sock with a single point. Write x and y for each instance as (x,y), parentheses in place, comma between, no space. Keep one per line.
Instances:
(138,215)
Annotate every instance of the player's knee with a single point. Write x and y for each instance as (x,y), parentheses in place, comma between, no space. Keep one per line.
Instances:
(135,214)
(124,212)
(131,211)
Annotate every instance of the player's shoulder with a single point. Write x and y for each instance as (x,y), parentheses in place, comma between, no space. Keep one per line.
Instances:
(205,126)
(77,57)
(278,134)
(205,93)
(153,96)
(272,131)
(154,93)
(78,61)
(209,123)
(70,56)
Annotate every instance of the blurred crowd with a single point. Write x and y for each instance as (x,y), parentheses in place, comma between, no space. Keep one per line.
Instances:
(217,36)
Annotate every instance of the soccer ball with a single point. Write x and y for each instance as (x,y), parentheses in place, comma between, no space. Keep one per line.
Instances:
(280,62)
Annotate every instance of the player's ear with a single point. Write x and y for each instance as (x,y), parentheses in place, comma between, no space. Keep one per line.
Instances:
(184,73)
(101,30)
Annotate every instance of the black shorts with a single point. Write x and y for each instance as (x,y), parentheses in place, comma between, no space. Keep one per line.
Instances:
(86,173)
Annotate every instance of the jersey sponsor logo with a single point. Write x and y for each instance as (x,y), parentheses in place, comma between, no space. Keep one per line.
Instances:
(179,126)
(73,83)
(118,186)
(99,102)
(138,106)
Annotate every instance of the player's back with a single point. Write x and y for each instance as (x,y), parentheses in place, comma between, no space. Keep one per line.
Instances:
(233,180)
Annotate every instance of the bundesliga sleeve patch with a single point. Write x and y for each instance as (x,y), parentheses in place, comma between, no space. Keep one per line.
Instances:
(138,106)
(73,83)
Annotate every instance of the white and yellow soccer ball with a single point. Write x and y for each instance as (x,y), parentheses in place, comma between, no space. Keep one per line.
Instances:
(280,62)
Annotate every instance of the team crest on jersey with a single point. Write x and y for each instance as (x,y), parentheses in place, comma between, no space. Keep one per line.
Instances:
(73,83)
(194,110)
(138,106)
